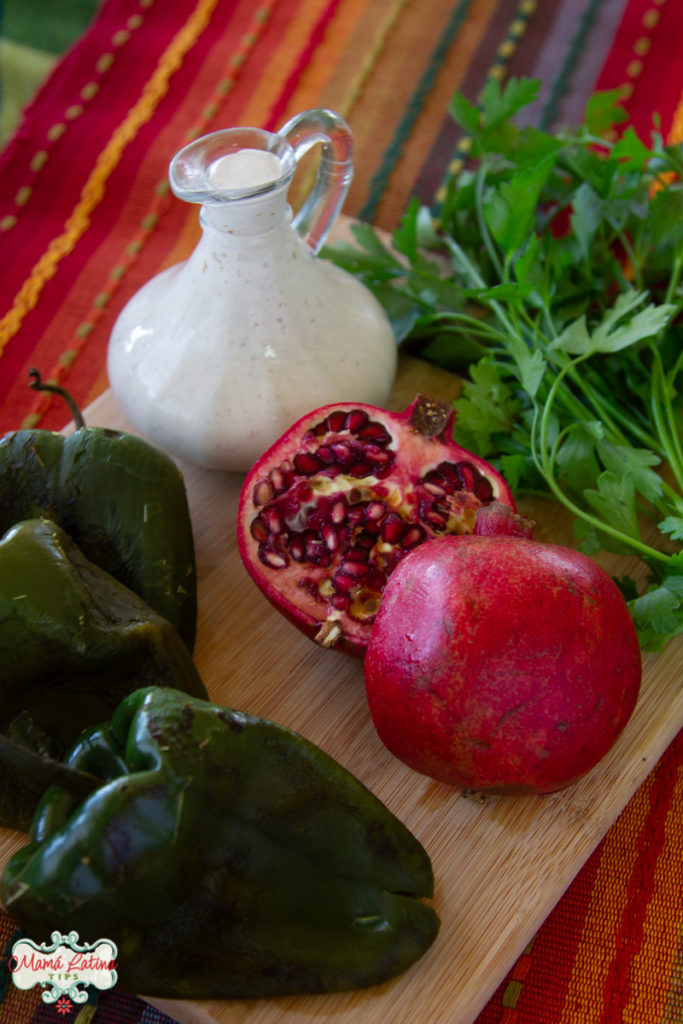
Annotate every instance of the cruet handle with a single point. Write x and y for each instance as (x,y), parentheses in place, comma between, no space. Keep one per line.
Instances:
(335,171)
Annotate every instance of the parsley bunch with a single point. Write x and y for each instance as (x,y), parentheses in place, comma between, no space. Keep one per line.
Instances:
(550,279)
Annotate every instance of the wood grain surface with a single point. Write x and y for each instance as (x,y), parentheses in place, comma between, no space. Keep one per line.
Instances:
(500,863)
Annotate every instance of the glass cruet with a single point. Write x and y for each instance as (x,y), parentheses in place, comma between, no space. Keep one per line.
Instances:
(215,357)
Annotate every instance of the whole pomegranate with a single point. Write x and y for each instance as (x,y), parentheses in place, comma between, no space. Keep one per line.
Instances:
(502,664)
(334,505)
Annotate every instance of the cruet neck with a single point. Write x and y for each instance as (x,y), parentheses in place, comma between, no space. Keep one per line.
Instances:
(240,176)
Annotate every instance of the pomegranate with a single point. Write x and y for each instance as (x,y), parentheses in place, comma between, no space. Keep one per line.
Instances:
(498,663)
(334,505)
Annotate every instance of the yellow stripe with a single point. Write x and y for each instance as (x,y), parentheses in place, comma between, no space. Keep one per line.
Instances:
(93,192)
(603,917)
(378,45)
(657,956)
(344,103)
(676,133)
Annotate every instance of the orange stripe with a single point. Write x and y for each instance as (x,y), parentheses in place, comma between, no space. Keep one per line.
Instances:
(676,132)
(275,74)
(429,124)
(603,916)
(360,36)
(658,955)
(93,192)
(341,68)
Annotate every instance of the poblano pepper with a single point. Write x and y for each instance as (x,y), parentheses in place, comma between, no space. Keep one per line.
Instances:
(73,642)
(122,500)
(226,856)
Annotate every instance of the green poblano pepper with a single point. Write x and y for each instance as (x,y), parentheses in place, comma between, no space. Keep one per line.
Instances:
(226,856)
(122,500)
(73,642)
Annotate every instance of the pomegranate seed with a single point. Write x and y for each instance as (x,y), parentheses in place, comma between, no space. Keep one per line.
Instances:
(358,554)
(355,569)
(360,469)
(314,434)
(372,529)
(445,475)
(315,519)
(307,463)
(374,511)
(467,475)
(356,419)
(343,583)
(414,535)
(338,512)
(342,453)
(336,421)
(290,508)
(375,582)
(340,602)
(376,432)
(483,490)
(314,547)
(258,529)
(303,491)
(296,547)
(272,519)
(435,519)
(272,558)
(365,539)
(378,456)
(277,480)
(436,489)
(392,528)
(325,454)
(262,493)
(330,537)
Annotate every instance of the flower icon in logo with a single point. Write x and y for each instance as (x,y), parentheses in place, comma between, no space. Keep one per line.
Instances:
(63,1005)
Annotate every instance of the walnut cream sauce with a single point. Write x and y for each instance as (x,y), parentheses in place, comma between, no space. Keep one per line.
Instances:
(216,357)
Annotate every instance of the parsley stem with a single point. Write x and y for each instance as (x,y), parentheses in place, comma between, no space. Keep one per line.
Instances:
(660,404)
(479,327)
(483,227)
(674,278)
(545,466)
(477,281)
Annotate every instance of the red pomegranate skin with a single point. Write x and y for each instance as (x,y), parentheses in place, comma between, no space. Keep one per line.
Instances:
(501,664)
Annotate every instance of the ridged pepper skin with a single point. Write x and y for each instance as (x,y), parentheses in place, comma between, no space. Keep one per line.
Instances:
(73,642)
(123,502)
(227,857)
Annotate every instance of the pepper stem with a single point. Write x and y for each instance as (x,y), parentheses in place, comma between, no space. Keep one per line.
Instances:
(46,769)
(38,384)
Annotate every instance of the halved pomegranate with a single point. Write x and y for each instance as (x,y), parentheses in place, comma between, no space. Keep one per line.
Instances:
(331,508)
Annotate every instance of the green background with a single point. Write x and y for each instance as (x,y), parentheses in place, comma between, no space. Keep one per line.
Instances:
(33,34)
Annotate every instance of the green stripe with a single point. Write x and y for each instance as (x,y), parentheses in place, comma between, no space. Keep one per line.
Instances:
(413,110)
(560,84)
(463,148)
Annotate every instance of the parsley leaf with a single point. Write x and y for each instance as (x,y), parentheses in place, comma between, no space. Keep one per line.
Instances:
(551,278)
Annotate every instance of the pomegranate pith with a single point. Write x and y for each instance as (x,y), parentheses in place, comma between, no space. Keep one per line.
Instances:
(333,506)
(501,664)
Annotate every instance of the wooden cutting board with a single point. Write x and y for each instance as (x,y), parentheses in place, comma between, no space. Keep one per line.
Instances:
(500,863)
